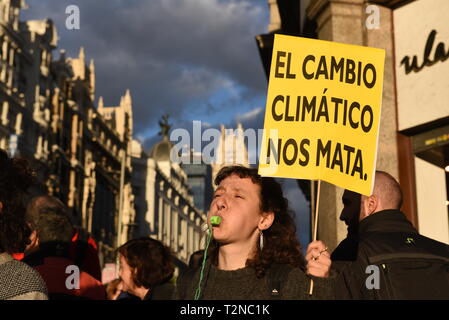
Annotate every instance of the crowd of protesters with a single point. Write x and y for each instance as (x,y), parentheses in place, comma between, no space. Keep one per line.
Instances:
(252,253)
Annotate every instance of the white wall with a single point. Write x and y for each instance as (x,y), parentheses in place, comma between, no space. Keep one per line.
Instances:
(431,197)
(422,96)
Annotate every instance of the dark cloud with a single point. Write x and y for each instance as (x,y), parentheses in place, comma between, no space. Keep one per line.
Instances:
(183,57)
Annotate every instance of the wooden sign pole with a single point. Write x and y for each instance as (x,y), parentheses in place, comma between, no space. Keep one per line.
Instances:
(315,226)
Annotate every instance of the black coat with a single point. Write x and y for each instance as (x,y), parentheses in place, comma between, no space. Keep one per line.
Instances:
(410,265)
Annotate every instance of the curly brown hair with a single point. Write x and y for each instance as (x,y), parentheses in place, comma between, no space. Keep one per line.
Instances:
(16,176)
(281,246)
(150,260)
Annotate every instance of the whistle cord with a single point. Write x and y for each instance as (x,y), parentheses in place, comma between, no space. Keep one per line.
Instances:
(198,290)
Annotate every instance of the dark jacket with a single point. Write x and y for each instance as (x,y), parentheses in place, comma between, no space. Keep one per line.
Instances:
(345,252)
(410,265)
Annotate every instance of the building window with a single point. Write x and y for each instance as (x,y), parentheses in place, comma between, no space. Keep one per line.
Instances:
(5,113)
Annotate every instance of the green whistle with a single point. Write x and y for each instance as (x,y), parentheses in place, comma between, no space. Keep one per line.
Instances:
(215,220)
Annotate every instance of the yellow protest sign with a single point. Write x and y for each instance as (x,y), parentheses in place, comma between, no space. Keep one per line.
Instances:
(323,112)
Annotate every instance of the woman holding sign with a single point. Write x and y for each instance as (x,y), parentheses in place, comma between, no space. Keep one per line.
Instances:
(254,253)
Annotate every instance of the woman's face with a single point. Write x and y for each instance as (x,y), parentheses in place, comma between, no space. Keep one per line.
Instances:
(126,274)
(237,202)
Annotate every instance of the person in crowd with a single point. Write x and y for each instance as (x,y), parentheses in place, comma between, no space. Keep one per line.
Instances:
(347,249)
(49,252)
(255,253)
(388,258)
(196,259)
(83,250)
(114,290)
(17,280)
(146,268)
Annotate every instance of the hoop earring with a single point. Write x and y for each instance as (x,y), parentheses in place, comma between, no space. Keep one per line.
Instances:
(261,240)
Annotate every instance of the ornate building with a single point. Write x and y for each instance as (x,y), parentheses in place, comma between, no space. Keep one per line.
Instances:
(26,86)
(164,205)
(38,82)
(231,149)
(91,170)
(199,179)
(81,153)
(11,47)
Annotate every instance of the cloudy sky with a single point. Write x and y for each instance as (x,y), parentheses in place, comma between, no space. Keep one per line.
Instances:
(192,59)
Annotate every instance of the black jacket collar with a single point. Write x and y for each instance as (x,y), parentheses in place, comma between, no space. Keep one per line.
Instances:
(386,221)
(50,249)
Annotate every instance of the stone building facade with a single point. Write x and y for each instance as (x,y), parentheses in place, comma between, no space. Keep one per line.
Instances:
(91,154)
(48,115)
(164,203)
(231,149)
(199,179)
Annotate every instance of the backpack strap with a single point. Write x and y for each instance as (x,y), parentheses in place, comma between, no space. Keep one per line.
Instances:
(276,276)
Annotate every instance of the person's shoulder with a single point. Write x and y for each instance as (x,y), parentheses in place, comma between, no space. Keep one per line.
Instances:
(164,291)
(381,243)
(185,283)
(22,278)
(89,280)
(23,271)
(33,295)
(91,288)
(189,274)
(429,243)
